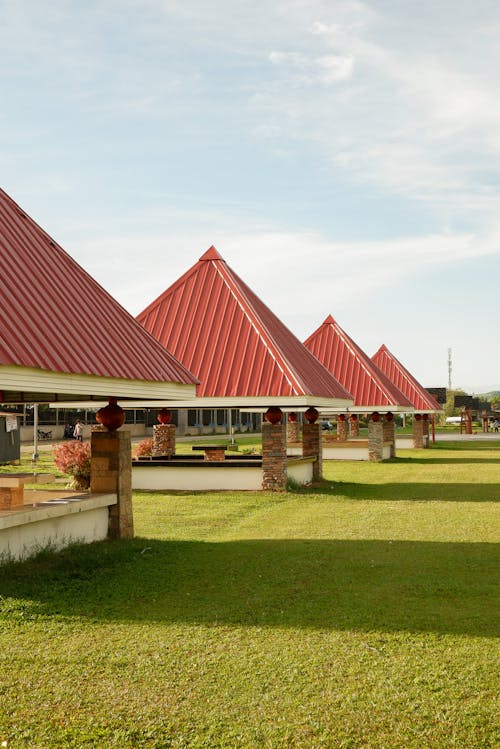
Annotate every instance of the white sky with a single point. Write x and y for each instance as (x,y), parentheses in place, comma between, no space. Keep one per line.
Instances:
(343,157)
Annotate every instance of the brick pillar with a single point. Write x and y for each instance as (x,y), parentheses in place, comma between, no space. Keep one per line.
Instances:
(111,472)
(164,440)
(341,428)
(292,431)
(273,457)
(354,426)
(311,447)
(389,433)
(375,438)
(418,431)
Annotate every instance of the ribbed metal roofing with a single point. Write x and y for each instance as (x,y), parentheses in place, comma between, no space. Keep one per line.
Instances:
(223,333)
(420,398)
(353,368)
(55,317)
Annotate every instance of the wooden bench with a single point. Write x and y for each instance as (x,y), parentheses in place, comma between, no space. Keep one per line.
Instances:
(213,453)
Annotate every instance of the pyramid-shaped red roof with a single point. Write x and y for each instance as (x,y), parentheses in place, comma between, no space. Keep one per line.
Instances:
(421,399)
(55,317)
(221,331)
(353,368)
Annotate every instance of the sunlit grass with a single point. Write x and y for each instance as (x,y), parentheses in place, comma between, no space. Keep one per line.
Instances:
(362,613)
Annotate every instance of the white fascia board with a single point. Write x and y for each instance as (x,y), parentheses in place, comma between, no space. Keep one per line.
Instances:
(371,409)
(246,403)
(26,380)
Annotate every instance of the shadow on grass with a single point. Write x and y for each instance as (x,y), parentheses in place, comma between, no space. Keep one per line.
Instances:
(422,492)
(323,584)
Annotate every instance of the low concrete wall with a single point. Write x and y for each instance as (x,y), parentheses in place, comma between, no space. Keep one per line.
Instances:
(350,450)
(193,476)
(405,441)
(57,522)
(199,475)
(300,470)
(345,452)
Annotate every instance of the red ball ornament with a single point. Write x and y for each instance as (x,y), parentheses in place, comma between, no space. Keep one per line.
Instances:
(311,415)
(164,416)
(341,417)
(353,417)
(111,416)
(375,416)
(426,417)
(389,416)
(292,417)
(418,417)
(273,415)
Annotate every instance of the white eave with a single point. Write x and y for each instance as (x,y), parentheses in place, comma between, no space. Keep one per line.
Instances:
(81,386)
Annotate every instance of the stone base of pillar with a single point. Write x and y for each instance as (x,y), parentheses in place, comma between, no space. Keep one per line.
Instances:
(375,441)
(273,457)
(311,447)
(418,433)
(342,431)
(111,472)
(292,431)
(163,440)
(389,435)
(354,427)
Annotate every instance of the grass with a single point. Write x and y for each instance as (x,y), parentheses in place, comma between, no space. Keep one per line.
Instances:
(361,614)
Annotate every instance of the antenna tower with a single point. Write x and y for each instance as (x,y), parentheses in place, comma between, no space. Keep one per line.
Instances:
(449,369)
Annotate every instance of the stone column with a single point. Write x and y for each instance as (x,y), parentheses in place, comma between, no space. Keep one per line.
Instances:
(292,428)
(353,425)
(375,438)
(163,440)
(418,431)
(389,433)
(341,428)
(111,472)
(273,457)
(311,447)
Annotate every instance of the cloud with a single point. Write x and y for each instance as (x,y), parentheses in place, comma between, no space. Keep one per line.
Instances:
(326,69)
(414,115)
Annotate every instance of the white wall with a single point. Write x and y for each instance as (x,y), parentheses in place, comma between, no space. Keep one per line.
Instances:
(57,523)
(196,478)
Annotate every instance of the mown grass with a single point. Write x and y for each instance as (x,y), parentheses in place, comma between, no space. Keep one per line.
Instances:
(360,613)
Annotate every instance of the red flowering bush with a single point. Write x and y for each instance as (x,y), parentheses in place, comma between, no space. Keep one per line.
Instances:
(144,447)
(73,458)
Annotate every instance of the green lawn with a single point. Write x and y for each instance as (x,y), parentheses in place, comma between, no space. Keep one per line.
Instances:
(362,613)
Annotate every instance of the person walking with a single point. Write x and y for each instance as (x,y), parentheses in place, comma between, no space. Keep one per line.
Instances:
(78,431)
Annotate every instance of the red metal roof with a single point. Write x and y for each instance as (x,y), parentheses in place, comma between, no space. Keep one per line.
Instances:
(353,368)
(418,395)
(220,330)
(55,317)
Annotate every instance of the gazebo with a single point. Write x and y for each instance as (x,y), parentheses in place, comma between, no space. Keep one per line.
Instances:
(372,391)
(64,338)
(423,402)
(243,355)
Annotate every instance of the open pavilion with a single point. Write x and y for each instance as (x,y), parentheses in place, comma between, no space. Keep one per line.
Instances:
(244,357)
(423,402)
(52,350)
(373,394)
